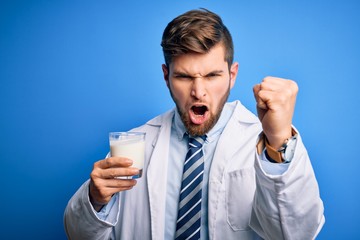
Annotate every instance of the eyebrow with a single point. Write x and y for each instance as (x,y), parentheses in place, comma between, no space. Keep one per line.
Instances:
(216,72)
(184,74)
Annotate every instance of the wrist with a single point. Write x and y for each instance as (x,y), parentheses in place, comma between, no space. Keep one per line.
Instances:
(96,205)
(281,154)
(276,141)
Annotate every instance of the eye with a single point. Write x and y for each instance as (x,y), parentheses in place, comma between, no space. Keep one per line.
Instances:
(182,77)
(213,75)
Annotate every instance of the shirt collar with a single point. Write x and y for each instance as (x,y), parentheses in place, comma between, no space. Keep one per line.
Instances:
(214,133)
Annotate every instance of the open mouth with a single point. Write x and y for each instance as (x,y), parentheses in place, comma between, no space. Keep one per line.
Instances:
(199,110)
(199,114)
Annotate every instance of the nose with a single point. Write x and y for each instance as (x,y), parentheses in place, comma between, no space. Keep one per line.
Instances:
(198,90)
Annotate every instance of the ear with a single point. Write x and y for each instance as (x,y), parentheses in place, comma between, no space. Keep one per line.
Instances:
(166,74)
(233,73)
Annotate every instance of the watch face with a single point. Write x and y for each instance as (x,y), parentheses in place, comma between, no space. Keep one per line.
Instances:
(290,149)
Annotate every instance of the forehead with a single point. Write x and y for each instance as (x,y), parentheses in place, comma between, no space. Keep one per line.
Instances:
(198,63)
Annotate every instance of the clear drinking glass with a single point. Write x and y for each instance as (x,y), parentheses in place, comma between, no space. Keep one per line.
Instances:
(130,145)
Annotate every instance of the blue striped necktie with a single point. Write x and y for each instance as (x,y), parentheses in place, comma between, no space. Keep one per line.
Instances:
(189,215)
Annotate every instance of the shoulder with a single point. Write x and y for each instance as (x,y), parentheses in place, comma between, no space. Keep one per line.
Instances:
(162,119)
(153,126)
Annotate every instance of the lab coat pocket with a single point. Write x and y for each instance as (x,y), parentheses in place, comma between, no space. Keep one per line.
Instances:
(240,190)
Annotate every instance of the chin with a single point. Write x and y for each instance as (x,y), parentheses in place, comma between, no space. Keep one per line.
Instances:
(202,129)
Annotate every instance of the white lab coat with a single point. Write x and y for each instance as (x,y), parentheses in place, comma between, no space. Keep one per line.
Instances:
(244,201)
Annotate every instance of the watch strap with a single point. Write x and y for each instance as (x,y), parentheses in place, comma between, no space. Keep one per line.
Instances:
(272,152)
(273,155)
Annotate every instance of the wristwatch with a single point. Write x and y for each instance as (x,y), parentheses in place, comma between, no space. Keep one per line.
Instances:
(287,150)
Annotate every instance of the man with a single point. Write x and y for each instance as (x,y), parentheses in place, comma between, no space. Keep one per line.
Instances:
(255,179)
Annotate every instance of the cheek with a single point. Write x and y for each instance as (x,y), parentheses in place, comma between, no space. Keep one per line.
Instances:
(219,92)
(179,93)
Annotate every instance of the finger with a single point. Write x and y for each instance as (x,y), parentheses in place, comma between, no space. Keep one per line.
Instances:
(112,162)
(110,173)
(268,86)
(102,189)
(256,90)
(273,79)
(274,100)
(272,84)
(121,183)
(103,194)
(279,84)
(266,97)
(260,103)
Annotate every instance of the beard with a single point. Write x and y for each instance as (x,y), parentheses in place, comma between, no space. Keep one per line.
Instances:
(201,129)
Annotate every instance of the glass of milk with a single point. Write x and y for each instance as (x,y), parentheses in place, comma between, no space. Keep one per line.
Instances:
(130,145)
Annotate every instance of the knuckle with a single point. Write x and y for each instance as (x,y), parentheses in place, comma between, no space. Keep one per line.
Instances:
(295,87)
(267,78)
(94,175)
(261,94)
(128,183)
(263,85)
(112,173)
(287,93)
(101,164)
(96,165)
(283,98)
(129,171)
(255,89)
(122,183)
(108,161)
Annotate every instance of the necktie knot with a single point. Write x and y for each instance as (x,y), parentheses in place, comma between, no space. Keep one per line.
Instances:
(197,142)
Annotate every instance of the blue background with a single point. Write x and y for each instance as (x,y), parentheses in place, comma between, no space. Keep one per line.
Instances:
(72,71)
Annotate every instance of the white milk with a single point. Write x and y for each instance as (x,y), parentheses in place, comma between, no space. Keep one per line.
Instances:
(133,149)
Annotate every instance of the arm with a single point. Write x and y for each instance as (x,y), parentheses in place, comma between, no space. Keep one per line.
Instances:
(81,218)
(286,206)
(275,98)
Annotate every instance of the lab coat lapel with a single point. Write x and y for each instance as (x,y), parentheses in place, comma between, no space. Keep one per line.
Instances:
(157,175)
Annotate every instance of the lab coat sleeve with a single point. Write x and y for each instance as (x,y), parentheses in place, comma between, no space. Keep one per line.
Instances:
(81,220)
(288,206)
